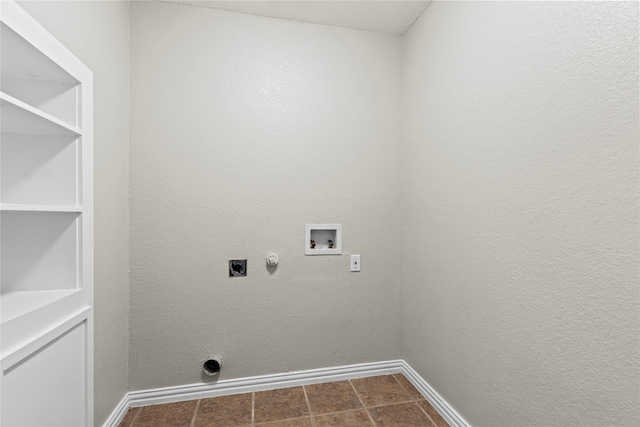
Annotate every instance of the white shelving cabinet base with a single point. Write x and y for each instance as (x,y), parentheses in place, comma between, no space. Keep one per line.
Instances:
(46,221)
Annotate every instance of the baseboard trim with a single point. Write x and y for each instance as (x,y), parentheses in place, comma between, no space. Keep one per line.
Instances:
(442,406)
(118,413)
(282,380)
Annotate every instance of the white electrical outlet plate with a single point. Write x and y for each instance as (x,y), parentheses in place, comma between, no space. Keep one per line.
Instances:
(355,262)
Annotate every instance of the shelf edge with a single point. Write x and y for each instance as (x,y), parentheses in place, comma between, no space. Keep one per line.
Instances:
(39,113)
(11,207)
(13,357)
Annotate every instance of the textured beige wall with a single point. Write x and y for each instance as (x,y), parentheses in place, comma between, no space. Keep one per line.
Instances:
(97,32)
(520,200)
(243,129)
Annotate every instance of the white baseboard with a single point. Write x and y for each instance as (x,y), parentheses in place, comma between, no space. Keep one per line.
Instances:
(286,379)
(442,406)
(118,413)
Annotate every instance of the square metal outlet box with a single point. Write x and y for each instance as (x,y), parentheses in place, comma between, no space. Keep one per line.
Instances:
(237,267)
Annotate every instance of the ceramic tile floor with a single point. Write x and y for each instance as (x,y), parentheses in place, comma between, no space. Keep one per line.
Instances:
(380,401)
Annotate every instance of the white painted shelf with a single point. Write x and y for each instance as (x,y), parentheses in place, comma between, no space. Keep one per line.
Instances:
(16,304)
(38,208)
(46,226)
(20,117)
(27,315)
(23,59)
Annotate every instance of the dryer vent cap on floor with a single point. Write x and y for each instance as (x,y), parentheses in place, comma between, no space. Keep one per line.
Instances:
(212,366)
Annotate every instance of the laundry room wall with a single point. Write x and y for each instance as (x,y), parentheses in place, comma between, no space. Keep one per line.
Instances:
(243,130)
(520,210)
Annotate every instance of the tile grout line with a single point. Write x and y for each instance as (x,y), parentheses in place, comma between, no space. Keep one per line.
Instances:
(396,403)
(195,413)
(433,423)
(306,398)
(416,400)
(253,409)
(405,388)
(135,417)
(373,423)
(278,421)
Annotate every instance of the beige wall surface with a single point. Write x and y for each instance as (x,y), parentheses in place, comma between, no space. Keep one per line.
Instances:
(520,210)
(97,32)
(243,129)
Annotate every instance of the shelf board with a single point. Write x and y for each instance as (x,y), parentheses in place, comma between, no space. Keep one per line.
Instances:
(16,304)
(38,208)
(19,117)
(27,314)
(20,57)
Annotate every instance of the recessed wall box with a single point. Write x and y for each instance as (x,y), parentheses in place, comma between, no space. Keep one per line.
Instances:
(323,239)
(237,267)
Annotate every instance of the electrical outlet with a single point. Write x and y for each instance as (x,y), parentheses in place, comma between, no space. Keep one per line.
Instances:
(237,267)
(355,262)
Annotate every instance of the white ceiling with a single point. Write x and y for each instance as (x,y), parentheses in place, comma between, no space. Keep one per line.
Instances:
(395,16)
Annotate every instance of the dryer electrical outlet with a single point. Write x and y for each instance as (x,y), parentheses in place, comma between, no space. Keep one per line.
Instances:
(237,267)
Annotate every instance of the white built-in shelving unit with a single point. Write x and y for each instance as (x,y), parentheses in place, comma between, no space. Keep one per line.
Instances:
(46,203)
